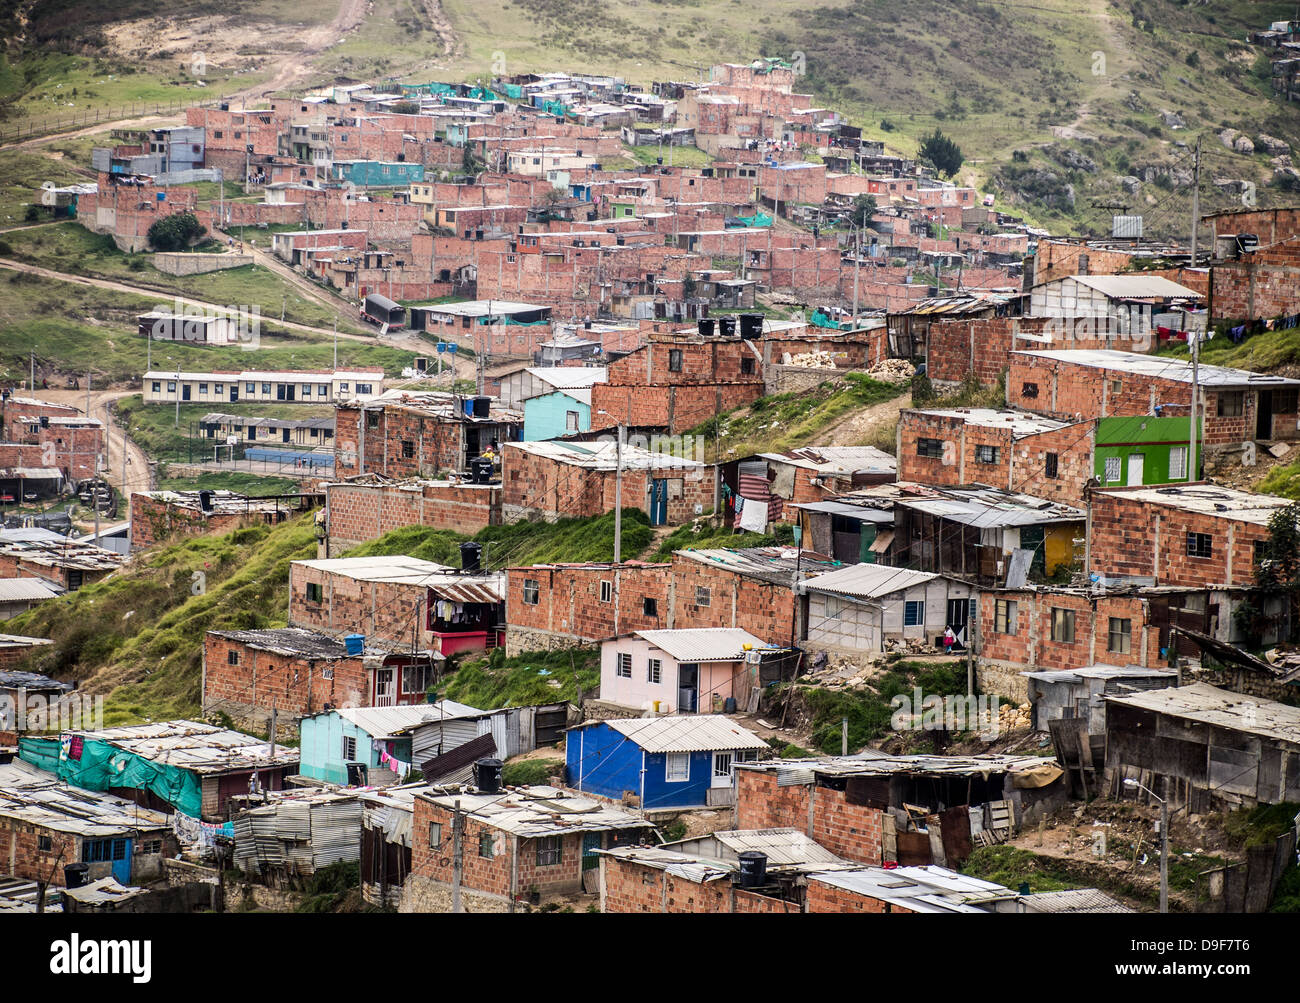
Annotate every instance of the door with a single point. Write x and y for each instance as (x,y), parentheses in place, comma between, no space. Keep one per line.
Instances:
(688,685)
(721,770)
(1136,462)
(958,620)
(384,688)
(234,393)
(114,851)
(185,391)
(658,502)
(591,842)
(1264,414)
(284,435)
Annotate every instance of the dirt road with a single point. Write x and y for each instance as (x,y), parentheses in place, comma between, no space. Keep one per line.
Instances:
(138,476)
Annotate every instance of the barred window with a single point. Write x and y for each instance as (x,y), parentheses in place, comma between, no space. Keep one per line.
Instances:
(624,668)
(531,591)
(929,447)
(550,851)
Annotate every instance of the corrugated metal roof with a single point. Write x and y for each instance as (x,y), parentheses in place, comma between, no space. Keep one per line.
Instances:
(1135,286)
(191,745)
(794,771)
(384,722)
(837,459)
(537,811)
(105,891)
(50,805)
(920,889)
(867,581)
(1209,499)
(679,865)
(687,733)
(1101,672)
(1158,367)
(782,846)
(726,644)
(1220,708)
(1073,900)
(775,565)
(860,512)
(599,455)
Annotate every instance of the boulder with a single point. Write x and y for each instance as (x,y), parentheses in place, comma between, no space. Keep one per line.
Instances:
(1173,120)
(1271,145)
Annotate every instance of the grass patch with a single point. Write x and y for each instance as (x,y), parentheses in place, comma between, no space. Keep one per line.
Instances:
(240,483)
(686,538)
(138,636)
(785,421)
(1012,867)
(534,677)
(1261,353)
(528,772)
(155,429)
(680,156)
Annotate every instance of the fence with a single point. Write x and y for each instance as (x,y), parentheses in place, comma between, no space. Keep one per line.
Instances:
(31,128)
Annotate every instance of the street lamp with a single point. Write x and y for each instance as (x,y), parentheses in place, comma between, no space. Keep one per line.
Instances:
(1164,842)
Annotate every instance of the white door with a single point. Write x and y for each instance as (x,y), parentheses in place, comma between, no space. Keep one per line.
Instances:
(721,770)
(1135,470)
(384,688)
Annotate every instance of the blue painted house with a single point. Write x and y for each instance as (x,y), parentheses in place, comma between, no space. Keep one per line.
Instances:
(668,762)
(561,412)
(378,173)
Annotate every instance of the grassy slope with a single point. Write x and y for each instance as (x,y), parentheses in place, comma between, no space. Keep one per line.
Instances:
(154,427)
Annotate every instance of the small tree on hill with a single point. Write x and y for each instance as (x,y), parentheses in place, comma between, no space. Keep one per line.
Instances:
(864,207)
(1277,577)
(175,232)
(942,152)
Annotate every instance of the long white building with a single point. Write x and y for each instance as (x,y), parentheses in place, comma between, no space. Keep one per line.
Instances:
(256,387)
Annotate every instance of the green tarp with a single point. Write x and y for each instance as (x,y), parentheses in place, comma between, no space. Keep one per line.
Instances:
(102,766)
(819,319)
(514,91)
(758,219)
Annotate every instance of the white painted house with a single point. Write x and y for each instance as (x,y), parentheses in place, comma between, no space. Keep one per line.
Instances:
(680,671)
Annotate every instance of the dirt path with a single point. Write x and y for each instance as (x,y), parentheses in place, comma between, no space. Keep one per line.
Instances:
(857,428)
(293,68)
(138,474)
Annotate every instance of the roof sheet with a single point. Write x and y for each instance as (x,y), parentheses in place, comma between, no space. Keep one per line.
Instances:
(1136,286)
(1021,423)
(704,644)
(1210,499)
(837,459)
(687,733)
(192,745)
(867,581)
(537,811)
(928,889)
(600,455)
(1159,367)
(382,722)
(1220,708)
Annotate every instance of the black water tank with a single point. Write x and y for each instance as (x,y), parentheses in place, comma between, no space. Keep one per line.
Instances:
(726,327)
(482,407)
(480,470)
(751,325)
(487,776)
(753,869)
(74,875)
(470,552)
(205,500)
(45,421)
(706,327)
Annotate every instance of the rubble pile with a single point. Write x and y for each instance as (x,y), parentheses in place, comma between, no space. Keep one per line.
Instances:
(896,371)
(1012,718)
(809,360)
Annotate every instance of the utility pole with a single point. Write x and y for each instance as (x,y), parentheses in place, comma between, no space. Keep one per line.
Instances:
(857,260)
(274,713)
(87,394)
(1164,850)
(1196,199)
(457,859)
(177,423)
(33,377)
(336,343)
(844,736)
(1192,468)
(618,495)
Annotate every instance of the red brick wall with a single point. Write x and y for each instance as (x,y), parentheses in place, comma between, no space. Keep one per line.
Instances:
(380,610)
(261,679)
(1263,284)
(822,897)
(1124,542)
(850,831)
(676,408)
(767,611)
(568,600)
(361,512)
(154,520)
(19,843)
(635,888)
(1031,646)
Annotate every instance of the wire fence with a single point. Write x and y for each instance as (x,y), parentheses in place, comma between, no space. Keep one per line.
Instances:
(31,128)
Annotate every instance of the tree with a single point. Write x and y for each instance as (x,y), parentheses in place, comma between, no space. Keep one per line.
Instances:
(942,152)
(175,232)
(864,207)
(1277,577)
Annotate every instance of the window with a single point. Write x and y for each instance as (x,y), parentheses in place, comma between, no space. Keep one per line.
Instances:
(151,846)
(1178,463)
(157,386)
(266,388)
(1286,401)
(674,360)
(435,834)
(747,365)
(171,386)
(1004,616)
(408,449)
(722,764)
(606,590)
(1114,469)
(349,748)
(914,613)
(624,668)
(571,421)
(649,607)
(322,390)
(1199,545)
(834,607)
(654,671)
(929,447)
(1050,465)
(1062,625)
(232,657)
(416,678)
(306,389)
(1029,390)
(486,846)
(1232,404)
(1116,386)
(363,388)
(250,388)
(44,844)
(986,454)
(549,851)
(315,593)
(702,595)
(677,767)
(203,388)
(343,388)
(1258,555)
(531,591)
(372,419)
(1120,635)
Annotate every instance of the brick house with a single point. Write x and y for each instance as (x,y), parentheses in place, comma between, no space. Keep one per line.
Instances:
(1017,450)
(45,825)
(564,480)
(1237,406)
(813,474)
(530,842)
(1197,535)
(66,565)
(299,672)
(558,605)
(1247,285)
(751,589)
(70,444)
(1127,304)
(13,649)
(417,434)
(399,601)
(160,516)
(365,509)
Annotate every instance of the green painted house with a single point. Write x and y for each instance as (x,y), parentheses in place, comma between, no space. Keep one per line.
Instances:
(1141,450)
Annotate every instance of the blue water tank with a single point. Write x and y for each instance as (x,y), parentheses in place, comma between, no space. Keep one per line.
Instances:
(469,407)
(354,643)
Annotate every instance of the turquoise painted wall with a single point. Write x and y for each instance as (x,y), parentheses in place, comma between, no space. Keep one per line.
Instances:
(373,173)
(545,416)
(321,748)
